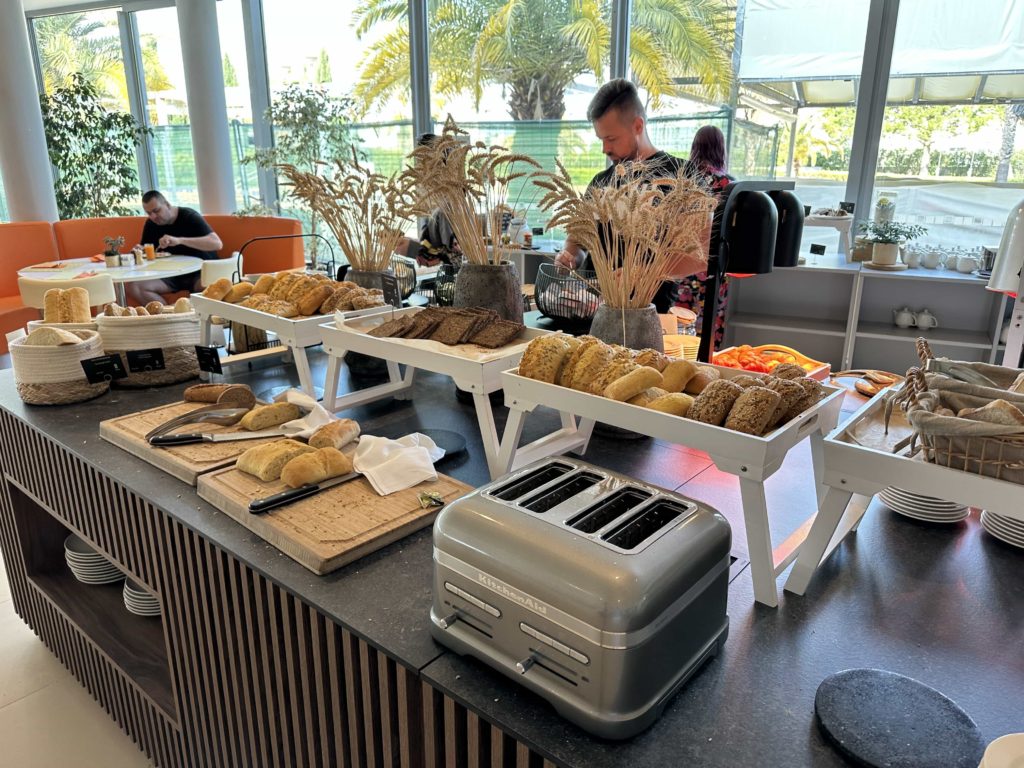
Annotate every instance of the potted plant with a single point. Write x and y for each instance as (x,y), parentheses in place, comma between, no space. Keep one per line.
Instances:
(469,185)
(637,233)
(112,253)
(885,207)
(887,236)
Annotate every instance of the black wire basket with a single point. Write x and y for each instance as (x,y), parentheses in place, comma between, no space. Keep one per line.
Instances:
(405,271)
(569,297)
(444,285)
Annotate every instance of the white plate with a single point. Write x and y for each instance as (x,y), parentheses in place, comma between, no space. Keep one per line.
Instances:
(141,603)
(917,509)
(93,568)
(73,544)
(998,528)
(97,581)
(924,502)
(138,612)
(954,516)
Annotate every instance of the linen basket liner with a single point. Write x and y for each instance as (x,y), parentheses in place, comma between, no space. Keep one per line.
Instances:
(179,329)
(978,447)
(54,375)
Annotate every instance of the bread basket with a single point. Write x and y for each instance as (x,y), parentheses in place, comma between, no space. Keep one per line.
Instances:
(174,334)
(54,375)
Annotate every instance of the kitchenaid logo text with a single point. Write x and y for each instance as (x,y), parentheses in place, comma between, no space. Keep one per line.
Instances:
(501,589)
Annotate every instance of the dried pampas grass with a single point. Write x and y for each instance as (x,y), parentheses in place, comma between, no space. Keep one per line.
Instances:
(636,230)
(469,184)
(366,211)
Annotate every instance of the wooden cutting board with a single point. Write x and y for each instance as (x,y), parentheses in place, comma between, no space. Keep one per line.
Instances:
(332,528)
(185,462)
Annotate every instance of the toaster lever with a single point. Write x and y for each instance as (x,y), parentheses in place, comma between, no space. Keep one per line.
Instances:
(448,620)
(523,666)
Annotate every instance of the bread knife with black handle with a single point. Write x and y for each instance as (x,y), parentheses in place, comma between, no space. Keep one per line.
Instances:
(258,506)
(212,437)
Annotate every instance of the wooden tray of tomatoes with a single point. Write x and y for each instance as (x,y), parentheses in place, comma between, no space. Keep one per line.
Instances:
(767,357)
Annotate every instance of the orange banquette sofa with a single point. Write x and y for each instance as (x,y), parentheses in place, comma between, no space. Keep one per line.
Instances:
(23,244)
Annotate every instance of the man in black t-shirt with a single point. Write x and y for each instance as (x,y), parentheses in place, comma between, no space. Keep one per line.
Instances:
(171,229)
(620,122)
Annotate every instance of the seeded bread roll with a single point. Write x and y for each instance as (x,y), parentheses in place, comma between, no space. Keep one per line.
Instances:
(676,403)
(746,380)
(702,379)
(282,308)
(813,392)
(569,369)
(264,284)
(789,371)
(269,416)
(633,383)
(652,358)
(713,404)
(677,375)
(648,395)
(218,289)
(315,467)
(299,288)
(238,292)
(753,410)
(614,371)
(311,300)
(367,301)
(790,393)
(283,283)
(591,364)
(331,302)
(155,308)
(544,357)
(335,434)
(266,461)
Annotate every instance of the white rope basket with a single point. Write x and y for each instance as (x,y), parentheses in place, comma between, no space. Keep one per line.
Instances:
(54,375)
(176,334)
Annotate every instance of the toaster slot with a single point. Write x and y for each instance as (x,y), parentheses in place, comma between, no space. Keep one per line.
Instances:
(645,524)
(597,516)
(531,481)
(561,491)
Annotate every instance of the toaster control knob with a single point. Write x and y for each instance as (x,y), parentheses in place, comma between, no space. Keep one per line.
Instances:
(448,620)
(524,665)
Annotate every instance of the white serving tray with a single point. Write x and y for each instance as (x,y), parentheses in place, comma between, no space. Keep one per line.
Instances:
(751,456)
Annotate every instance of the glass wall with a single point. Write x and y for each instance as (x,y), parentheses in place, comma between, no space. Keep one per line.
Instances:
(239,102)
(952,155)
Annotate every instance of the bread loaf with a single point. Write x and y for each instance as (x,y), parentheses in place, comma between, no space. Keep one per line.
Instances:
(269,416)
(218,289)
(753,410)
(238,292)
(74,306)
(677,375)
(335,434)
(676,403)
(713,404)
(51,305)
(996,412)
(315,467)
(267,461)
(50,337)
(264,284)
(704,376)
(311,300)
(648,395)
(209,393)
(633,383)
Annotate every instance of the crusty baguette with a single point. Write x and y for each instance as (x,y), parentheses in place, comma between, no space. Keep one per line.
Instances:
(269,416)
(266,461)
(335,434)
(218,289)
(633,383)
(315,467)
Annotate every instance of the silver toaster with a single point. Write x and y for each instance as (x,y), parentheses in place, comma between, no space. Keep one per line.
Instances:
(600,593)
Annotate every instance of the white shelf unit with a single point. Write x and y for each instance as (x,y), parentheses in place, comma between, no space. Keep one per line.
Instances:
(841,313)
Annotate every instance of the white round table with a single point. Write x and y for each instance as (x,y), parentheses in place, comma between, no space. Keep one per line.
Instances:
(160,269)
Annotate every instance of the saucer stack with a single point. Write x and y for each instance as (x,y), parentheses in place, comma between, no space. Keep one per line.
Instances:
(926,508)
(139,601)
(1003,528)
(682,346)
(88,565)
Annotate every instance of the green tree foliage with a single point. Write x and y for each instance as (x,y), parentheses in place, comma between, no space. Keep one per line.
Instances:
(230,76)
(323,69)
(925,124)
(92,150)
(312,128)
(535,49)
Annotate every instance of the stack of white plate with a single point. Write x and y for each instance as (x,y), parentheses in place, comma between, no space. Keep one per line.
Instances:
(1003,528)
(926,508)
(88,565)
(139,601)
(678,345)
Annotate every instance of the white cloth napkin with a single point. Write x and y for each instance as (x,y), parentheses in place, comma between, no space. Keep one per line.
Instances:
(314,415)
(394,465)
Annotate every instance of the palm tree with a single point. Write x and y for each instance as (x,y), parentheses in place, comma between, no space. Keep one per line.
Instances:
(1014,112)
(535,49)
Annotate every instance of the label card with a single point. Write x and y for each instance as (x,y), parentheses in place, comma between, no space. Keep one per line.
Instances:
(104,368)
(141,360)
(209,359)
(392,294)
(817,249)
(807,210)
(848,207)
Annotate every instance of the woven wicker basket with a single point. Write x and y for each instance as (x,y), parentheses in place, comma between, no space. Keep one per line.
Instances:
(54,375)
(175,334)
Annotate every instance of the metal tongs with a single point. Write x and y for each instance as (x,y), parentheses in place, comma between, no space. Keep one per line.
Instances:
(210,414)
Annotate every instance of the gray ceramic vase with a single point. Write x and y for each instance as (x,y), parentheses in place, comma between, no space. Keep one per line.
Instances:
(492,286)
(642,327)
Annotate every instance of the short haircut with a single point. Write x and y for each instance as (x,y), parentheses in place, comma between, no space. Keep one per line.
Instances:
(616,94)
(153,194)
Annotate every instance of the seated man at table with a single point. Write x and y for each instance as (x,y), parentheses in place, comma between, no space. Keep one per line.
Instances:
(173,229)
